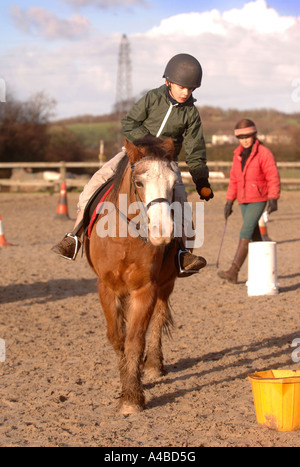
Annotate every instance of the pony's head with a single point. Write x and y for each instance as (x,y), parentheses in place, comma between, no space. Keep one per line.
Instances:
(153,180)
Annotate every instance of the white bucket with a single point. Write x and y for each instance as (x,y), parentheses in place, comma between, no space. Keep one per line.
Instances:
(262,269)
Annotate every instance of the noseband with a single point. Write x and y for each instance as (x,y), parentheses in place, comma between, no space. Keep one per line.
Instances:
(154,201)
(157,200)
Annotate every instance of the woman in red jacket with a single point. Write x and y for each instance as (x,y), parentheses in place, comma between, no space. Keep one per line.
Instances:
(254,180)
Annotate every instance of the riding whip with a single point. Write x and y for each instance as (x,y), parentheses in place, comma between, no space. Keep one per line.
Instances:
(222,239)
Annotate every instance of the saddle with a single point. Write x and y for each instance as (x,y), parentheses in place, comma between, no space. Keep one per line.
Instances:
(92,208)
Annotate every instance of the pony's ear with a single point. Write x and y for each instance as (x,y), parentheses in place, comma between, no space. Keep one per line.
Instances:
(169,146)
(133,152)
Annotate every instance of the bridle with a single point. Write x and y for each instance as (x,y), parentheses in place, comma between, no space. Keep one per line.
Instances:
(142,227)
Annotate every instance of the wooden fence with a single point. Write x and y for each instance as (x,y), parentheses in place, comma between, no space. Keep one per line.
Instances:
(62,167)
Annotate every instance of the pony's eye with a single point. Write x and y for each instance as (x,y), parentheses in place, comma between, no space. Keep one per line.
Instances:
(139,184)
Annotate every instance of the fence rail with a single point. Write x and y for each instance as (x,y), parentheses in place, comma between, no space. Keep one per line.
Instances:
(80,182)
(95,164)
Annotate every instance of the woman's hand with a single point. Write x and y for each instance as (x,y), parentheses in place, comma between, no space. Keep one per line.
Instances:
(272,205)
(228,208)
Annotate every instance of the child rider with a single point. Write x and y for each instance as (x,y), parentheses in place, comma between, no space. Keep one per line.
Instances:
(167,111)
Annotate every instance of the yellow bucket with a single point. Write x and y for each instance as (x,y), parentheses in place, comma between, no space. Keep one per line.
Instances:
(276,395)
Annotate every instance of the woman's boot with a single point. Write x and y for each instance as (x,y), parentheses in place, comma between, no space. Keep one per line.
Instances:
(232,274)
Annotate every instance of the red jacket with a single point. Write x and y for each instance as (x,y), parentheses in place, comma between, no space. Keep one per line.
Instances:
(259,181)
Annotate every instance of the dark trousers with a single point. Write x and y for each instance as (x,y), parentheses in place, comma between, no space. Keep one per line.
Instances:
(251,213)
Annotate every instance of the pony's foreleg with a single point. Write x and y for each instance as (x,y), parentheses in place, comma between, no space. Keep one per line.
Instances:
(114,315)
(161,320)
(142,304)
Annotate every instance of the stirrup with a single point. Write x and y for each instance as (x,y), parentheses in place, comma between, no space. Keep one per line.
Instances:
(181,271)
(77,246)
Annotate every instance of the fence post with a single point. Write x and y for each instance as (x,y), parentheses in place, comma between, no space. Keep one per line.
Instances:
(63,170)
(101,151)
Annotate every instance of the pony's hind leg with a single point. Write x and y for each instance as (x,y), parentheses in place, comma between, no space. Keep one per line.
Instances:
(161,321)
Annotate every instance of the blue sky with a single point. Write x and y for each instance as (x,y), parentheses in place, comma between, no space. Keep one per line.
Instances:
(249,50)
(132,18)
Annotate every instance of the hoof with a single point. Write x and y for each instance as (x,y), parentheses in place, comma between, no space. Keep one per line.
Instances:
(130,409)
(151,374)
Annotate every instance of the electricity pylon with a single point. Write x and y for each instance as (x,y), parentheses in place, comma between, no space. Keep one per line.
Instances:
(124,87)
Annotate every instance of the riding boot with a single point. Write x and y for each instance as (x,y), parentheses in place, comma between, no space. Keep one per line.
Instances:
(70,245)
(265,238)
(241,253)
(188,263)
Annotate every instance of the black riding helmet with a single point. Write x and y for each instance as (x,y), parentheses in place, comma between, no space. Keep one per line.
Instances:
(185,70)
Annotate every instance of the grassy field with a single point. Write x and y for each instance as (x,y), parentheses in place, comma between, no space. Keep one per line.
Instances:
(91,133)
(92,129)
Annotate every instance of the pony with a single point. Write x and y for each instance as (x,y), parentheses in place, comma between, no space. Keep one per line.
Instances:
(136,263)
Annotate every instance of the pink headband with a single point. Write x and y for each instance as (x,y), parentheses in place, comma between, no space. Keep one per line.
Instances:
(245,131)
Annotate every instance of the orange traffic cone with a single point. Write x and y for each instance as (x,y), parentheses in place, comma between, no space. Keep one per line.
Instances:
(3,241)
(62,207)
(262,223)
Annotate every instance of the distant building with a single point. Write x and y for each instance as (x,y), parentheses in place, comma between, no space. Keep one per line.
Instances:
(275,139)
(218,140)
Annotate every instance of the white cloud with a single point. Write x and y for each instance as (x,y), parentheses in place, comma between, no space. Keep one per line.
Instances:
(258,17)
(80,76)
(190,24)
(46,24)
(250,58)
(255,17)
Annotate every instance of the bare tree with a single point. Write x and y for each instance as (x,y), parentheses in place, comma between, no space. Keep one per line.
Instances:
(24,128)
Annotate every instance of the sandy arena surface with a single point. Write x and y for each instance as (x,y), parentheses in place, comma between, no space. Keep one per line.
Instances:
(59,382)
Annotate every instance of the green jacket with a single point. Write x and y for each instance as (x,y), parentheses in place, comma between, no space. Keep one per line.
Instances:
(156,114)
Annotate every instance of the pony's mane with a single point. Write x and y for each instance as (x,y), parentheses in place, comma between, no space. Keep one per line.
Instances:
(151,147)
(119,173)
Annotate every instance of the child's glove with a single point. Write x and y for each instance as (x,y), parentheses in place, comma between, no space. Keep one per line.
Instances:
(204,189)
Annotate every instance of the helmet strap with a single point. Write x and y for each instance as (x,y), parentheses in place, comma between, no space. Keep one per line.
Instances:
(169,93)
